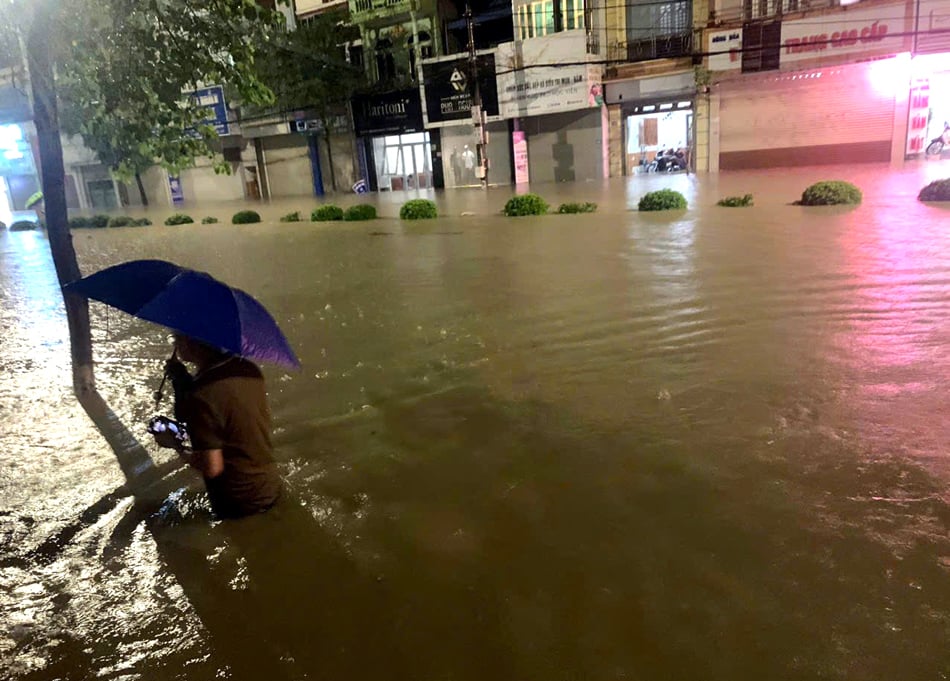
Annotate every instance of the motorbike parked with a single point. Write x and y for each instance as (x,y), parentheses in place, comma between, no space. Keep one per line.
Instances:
(935,148)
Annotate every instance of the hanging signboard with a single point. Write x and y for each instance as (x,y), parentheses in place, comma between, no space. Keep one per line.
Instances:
(389,113)
(212,99)
(547,75)
(519,147)
(448,89)
(725,50)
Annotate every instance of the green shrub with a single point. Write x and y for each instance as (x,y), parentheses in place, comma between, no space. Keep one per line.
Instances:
(245,217)
(418,209)
(178,219)
(662,199)
(736,201)
(525,204)
(360,212)
(327,213)
(209,220)
(586,207)
(23,226)
(121,221)
(79,222)
(831,193)
(291,217)
(142,222)
(99,221)
(938,190)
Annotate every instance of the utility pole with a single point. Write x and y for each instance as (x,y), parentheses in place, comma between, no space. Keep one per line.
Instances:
(478,115)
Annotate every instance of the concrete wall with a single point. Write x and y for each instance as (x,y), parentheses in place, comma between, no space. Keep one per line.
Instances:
(615,134)
(202,184)
(288,166)
(565,147)
(701,132)
(344,163)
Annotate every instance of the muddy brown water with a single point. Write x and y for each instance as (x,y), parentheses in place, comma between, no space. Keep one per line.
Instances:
(710,445)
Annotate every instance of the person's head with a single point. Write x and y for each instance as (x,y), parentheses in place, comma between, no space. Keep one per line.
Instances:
(189,349)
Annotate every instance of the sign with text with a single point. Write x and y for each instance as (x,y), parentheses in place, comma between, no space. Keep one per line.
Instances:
(933,27)
(212,99)
(547,75)
(448,89)
(725,50)
(875,30)
(388,113)
(519,148)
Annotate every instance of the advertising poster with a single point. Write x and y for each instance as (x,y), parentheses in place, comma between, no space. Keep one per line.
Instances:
(448,89)
(519,148)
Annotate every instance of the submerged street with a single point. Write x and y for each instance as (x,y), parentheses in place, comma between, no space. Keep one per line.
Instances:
(706,445)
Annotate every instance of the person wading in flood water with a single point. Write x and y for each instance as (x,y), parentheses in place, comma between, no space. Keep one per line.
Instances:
(225,412)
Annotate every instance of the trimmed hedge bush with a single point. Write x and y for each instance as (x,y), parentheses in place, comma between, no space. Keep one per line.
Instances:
(291,217)
(831,193)
(79,222)
(586,207)
(327,213)
(178,219)
(23,226)
(142,222)
(121,221)
(418,209)
(209,220)
(736,201)
(99,221)
(525,204)
(360,212)
(662,199)
(938,190)
(246,217)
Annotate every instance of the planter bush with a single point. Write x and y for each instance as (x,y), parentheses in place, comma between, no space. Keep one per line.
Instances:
(662,199)
(142,222)
(418,209)
(245,217)
(209,220)
(359,212)
(587,207)
(736,201)
(938,190)
(79,222)
(291,217)
(178,219)
(23,226)
(99,221)
(121,221)
(525,204)
(327,213)
(831,193)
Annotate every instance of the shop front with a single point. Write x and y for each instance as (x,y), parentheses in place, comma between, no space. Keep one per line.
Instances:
(397,147)
(18,176)
(657,122)
(928,119)
(559,122)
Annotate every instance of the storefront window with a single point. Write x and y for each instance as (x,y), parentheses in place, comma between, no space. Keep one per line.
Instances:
(403,161)
(659,138)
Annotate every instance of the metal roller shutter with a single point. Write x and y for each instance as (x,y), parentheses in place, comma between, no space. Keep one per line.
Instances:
(288,166)
(842,114)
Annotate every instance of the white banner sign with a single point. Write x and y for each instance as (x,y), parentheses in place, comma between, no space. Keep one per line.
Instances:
(725,50)
(547,75)
(870,30)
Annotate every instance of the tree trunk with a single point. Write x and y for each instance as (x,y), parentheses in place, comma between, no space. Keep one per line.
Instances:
(142,195)
(53,173)
(326,137)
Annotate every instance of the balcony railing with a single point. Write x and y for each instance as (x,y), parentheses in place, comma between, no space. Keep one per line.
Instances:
(358,7)
(752,10)
(659,30)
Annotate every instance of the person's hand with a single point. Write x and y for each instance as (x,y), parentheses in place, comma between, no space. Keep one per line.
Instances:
(175,370)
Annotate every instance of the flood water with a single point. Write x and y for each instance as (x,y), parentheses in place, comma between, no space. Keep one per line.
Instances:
(711,445)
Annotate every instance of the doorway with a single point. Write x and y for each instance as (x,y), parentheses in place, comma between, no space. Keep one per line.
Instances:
(659,138)
(403,161)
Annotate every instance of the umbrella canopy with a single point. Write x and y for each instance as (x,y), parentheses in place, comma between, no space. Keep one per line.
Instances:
(193,303)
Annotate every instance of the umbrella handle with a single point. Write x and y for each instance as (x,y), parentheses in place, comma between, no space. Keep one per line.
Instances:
(158,393)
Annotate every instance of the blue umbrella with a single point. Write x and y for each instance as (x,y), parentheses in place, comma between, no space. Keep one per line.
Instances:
(193,303)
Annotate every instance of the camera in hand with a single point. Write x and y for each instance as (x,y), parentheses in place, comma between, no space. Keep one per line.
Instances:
(163,424)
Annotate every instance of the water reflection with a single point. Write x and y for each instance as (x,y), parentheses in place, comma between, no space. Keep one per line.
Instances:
(710,447)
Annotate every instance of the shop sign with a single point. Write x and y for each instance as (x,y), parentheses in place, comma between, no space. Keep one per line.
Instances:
(725,50)
(175,189)
(918,116)
(390,113)
(212,99)
(542,75)
(933,27)
(876,30)
(519,147)
(448,89)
